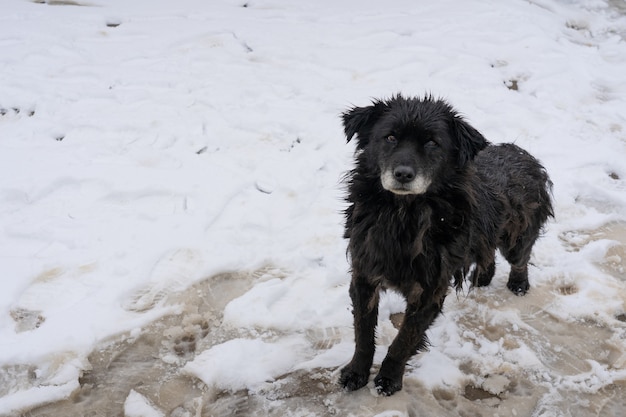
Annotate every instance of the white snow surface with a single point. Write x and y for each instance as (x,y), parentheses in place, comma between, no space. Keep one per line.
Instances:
(147,145)
(270,359)
(136,405)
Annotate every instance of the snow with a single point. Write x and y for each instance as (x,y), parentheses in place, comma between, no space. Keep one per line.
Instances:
(215,366)
(148,146)
(136,405)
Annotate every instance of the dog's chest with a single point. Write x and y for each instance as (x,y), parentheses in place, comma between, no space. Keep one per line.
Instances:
(385,238)
(388,241)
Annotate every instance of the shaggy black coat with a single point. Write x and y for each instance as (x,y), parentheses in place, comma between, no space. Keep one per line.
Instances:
(430,200)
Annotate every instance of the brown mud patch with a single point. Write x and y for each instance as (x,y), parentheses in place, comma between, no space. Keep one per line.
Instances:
(149,365)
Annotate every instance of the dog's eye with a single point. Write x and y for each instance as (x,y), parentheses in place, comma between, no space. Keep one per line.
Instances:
(431,144)
(391,139)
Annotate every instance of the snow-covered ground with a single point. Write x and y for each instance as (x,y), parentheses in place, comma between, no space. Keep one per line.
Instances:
(170,204)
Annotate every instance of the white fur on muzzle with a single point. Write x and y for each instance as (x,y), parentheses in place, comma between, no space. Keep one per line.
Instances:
(418,185)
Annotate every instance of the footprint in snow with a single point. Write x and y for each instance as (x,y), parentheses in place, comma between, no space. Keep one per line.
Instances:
(171,273)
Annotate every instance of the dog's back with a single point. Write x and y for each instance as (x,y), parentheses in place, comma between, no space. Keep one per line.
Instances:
(520,190)
(515,174)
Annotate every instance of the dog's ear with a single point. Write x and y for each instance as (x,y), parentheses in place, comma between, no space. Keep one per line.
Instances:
(469,140)
(360,121)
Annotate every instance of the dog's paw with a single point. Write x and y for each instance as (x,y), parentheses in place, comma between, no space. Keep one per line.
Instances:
(351,380)
(484,277)
(518,288)
(518,280)
(387,386)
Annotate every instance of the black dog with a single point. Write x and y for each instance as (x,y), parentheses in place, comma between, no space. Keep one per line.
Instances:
(430,201)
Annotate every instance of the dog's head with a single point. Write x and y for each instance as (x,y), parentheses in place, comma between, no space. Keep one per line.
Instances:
(412,143)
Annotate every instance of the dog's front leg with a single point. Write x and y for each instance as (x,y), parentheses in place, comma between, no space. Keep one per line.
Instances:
(410,339)
(365,310)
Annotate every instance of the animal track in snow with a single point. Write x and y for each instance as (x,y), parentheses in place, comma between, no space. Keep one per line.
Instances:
(10,112)
(26,319)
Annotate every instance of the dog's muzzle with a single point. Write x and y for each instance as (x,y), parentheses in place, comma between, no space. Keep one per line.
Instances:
(403,180)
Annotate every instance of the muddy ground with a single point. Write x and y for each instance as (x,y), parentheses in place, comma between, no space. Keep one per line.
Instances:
(150,363)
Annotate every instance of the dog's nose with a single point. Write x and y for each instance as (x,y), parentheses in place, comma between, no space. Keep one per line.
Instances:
(404,174)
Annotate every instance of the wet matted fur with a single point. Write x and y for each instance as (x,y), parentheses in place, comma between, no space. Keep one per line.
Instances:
(430,202)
